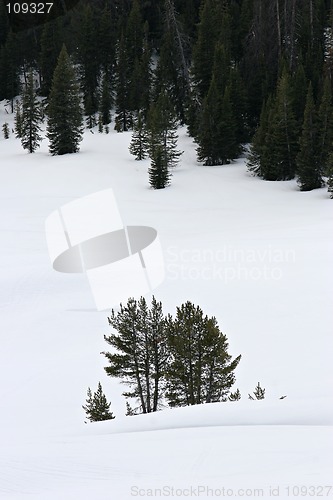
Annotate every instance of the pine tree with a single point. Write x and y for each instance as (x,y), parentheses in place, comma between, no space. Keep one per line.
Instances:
(201,369)
(97,407)
(259,393)
(105,100)
(258,148)
(64,128)
(140,354)
(159,175)
(31,117)
(5,130)
(9,70)
(129,410)
(235,396)
(123,119)
(309,169)
(162,128)
(281,139)
(216,136)
(325,124)
(100,123)
(172,70)
(106,40)
(203,52)
(139,145)
(50,48)
(299,90)
(18,119)
(89,63)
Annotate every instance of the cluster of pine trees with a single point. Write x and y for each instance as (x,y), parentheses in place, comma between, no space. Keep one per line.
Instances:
(181,360)
(233,71)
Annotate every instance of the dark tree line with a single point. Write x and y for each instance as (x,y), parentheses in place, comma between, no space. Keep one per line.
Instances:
(235,71)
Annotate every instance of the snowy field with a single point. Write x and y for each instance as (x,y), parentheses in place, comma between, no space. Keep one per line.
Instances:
(257,255)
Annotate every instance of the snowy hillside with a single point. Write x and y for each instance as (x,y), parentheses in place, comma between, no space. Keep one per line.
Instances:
(257,255)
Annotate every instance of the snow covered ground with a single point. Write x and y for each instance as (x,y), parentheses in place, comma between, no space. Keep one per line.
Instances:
(257,255)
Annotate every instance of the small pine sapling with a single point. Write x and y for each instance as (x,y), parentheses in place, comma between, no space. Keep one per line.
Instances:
(5,130)
(235,396)
(259,393)
(129,410)
(100,123)
(139,145)
(97,407)
(18,120)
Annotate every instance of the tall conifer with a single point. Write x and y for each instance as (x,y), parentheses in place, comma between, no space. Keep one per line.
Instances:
(31,117)
(64,127)
(309,171)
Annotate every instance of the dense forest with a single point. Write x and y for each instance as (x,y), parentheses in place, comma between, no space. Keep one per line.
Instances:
(234,71)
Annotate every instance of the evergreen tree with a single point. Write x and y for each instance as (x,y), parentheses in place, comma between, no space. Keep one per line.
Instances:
(281,139)
(159,175)
(64,128)
(325,124)
(162,127)
(139,145)
(123,119)
(239,106)
(4,23)
(258,148)
(9,70)
(172,70)
(18,119)
(201,369)
(100,123)
(5,130)
(105,101)
(299,90)
(129,410)
(89,63)
(235,396)
(309,169)
(203,52)
(140,355)
(31,117)
(134,35)
(106,40)
(259,393)
(97,407)
(216,135)
(50,48)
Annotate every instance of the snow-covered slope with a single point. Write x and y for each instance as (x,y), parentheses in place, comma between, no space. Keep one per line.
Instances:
(255,254)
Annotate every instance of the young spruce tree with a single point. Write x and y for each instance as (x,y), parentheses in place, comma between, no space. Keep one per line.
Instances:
(97,407)
(280,154)
(31,117)
(139,145)
(64,128)
(18,119)
(309,169)
(5,130)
